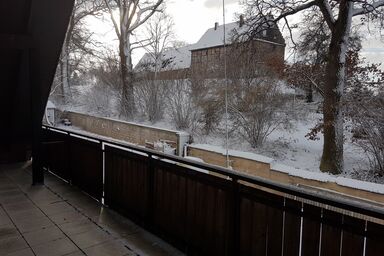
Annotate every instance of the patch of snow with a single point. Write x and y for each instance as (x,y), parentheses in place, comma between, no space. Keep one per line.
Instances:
(318,176)
(50,104)
(215,37)
(236,153)
(196,159)
(358,184)
(171,59)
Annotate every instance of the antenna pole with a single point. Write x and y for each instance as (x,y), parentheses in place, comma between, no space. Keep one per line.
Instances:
(226,89)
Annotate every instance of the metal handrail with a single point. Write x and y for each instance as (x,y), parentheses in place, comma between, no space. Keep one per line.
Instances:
(356,206)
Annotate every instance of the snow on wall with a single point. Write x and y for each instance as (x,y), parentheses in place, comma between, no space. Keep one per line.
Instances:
(318,176)
(325,177)
(246,155)
(292,171)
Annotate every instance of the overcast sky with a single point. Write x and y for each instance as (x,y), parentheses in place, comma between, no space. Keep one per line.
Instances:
(193,17)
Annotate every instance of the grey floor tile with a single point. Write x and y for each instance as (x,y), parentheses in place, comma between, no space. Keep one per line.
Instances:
(77,253)
(24,252)
(7,231)
(57,247)
(90,238)
(43,235)
(29,225)
(109,248)
(4,219)
(19,207)
(14,199)
(77,227)
(55,207)
(68,216)
(12,244)
(22,216)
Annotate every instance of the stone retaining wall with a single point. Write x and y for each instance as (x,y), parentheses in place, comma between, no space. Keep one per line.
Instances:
(120,130)
(265,169)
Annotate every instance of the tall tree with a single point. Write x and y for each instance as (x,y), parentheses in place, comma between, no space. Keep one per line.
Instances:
(158,36)
(132,14)
(78,43)
(338,16)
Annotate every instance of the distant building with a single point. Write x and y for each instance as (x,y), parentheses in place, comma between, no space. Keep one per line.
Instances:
(206,57)
(171,64)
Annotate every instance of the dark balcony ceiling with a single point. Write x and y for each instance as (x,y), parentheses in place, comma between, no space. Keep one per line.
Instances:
(31,37)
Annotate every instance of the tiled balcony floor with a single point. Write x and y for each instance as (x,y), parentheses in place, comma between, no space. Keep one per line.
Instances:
(57,219)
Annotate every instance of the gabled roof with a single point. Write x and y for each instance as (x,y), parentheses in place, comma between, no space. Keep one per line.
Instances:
(171,59)
(215,37)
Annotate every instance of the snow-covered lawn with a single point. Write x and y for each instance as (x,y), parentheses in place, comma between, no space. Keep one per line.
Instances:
(291,147)
(286,146)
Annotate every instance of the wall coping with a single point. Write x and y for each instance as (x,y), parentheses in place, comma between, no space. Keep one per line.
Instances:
(295,172)
(131,123)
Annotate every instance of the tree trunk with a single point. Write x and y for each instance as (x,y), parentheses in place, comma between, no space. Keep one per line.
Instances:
(332,159)
(127,78)
(309,94)
(64,62)
(65,74)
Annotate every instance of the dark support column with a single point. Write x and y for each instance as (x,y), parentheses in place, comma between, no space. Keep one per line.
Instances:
(37,168)
(35,92)
(48,24)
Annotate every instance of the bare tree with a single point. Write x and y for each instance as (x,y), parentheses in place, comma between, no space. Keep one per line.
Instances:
(181,106)
(132,14)
(364,106)
(150,96)
(208,95)
(77,46)
(258,106)
(150,91)
(338,17)
(159,33)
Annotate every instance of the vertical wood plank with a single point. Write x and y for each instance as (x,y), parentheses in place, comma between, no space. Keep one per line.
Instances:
(353,236)
(311,230)
(331,233)
(292,225)
(375,239)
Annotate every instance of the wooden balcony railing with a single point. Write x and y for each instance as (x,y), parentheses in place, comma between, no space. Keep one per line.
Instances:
(222,212)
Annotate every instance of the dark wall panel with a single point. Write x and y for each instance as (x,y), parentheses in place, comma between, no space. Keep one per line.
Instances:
(126,182)
(86,166)
(375,239)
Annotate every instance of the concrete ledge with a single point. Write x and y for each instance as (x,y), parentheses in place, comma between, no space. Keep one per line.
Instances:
(265,167)
(127,131)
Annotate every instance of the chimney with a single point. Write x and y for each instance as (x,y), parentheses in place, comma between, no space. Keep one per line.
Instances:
(216,25)
(241,21)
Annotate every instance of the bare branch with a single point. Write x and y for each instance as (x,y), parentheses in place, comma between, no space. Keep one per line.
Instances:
(326,10)
(295,10)
(113,19)
(368,8)
(151,9)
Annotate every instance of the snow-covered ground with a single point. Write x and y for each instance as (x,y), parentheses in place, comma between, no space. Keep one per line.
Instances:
(289,147)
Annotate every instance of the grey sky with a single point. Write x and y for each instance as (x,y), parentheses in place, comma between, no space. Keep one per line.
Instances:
(217,3)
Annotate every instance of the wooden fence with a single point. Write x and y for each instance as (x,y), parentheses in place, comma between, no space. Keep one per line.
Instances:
(227,213)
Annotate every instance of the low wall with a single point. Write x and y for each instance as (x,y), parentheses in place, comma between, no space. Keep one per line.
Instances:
(120,130)
(264,167)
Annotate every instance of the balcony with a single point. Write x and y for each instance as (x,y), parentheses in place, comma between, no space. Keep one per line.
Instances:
(57,219)
(214,212)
